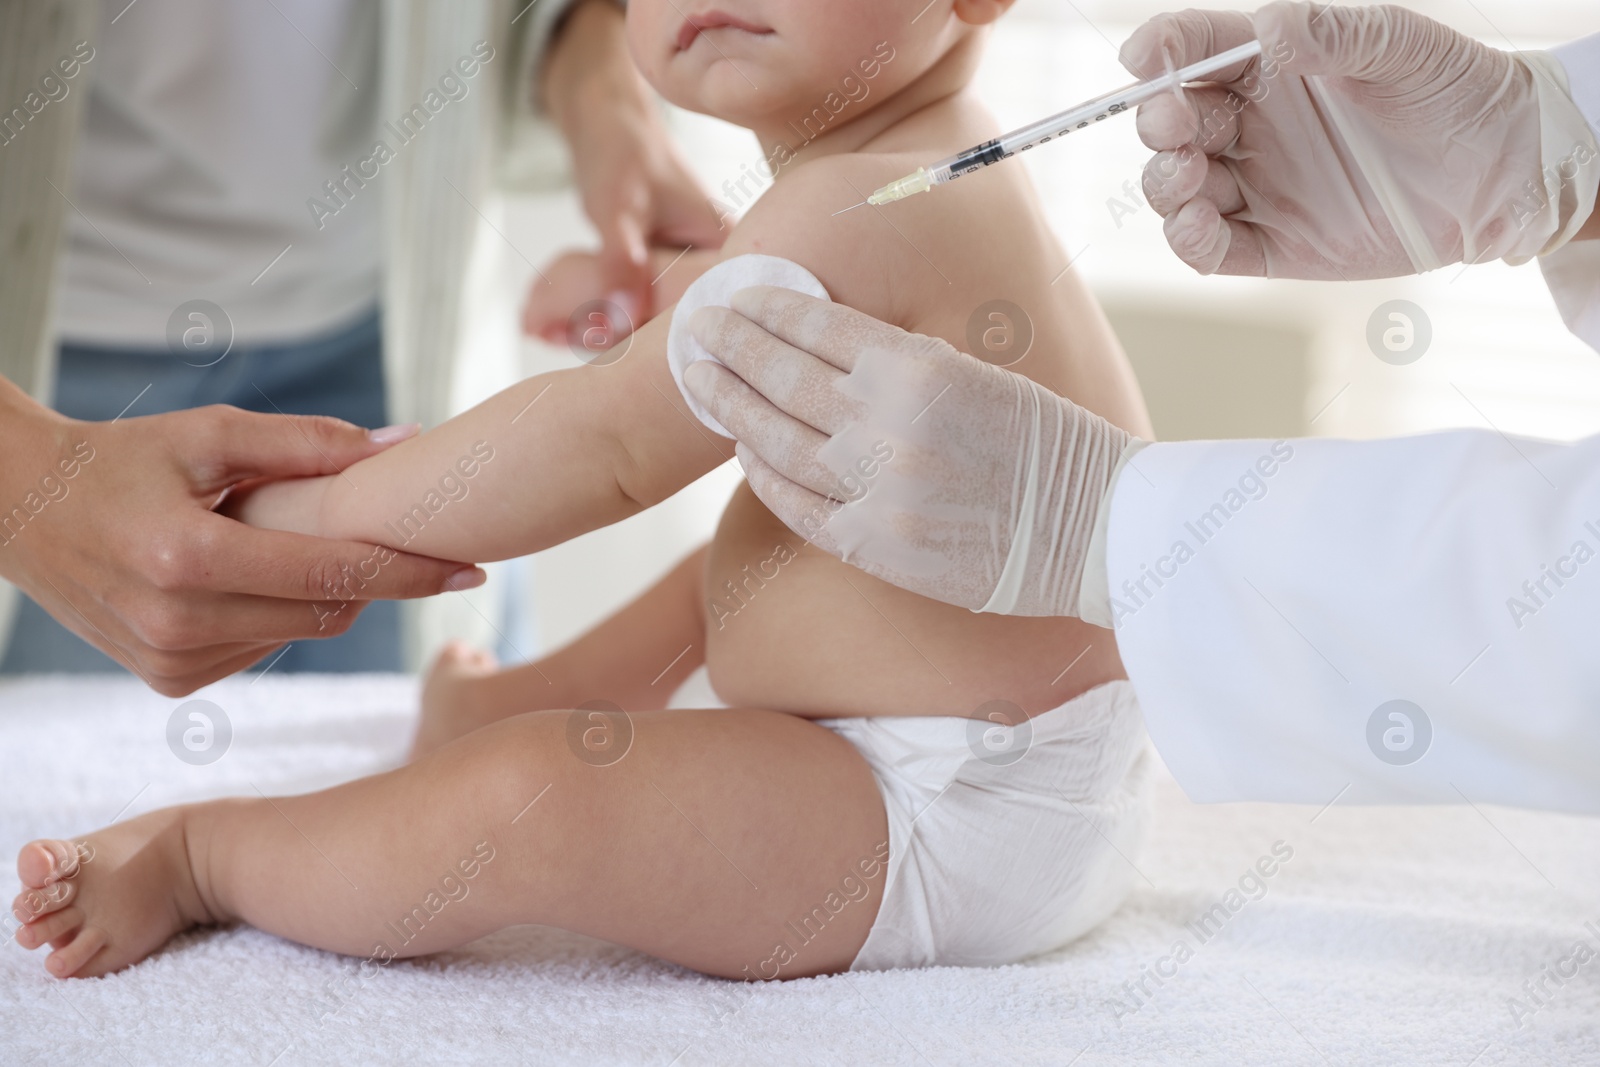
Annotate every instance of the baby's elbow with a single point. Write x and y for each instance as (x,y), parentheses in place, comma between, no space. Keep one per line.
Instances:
(647,470)
(635,479)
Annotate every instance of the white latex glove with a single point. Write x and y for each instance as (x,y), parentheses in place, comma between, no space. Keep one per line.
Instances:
(1367,142)
(921,465)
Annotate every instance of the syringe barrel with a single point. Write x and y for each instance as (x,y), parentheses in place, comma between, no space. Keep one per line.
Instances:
(1085,114)
(1058,125)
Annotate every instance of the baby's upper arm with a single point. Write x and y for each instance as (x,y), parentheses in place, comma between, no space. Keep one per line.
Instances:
(665,446)
(915,263)
(944,262)
(661,446)
(858,259)
(884,266)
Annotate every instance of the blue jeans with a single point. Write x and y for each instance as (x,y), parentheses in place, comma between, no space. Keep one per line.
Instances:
(339,374)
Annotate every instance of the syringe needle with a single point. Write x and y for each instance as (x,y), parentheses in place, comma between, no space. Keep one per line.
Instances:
(852,207)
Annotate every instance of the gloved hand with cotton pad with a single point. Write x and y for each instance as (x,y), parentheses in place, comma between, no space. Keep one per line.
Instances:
(715,288)
(986,490)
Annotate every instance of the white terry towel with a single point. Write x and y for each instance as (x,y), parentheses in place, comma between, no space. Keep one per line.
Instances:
(1389,937)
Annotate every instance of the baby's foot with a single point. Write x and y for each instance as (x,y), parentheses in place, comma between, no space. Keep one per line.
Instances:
(108,901)
(450,696)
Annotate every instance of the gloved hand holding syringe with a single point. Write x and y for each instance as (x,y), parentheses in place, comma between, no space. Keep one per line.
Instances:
(1375,193)
(1059,125)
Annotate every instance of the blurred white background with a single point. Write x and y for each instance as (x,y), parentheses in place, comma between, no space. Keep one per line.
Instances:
(1216,356)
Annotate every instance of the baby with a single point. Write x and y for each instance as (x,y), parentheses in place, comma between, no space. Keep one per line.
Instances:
(770,764)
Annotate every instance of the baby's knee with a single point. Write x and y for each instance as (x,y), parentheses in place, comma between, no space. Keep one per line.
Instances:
(511,762)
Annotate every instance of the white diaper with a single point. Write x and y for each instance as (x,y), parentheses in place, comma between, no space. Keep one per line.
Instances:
(715,288)
(995,859)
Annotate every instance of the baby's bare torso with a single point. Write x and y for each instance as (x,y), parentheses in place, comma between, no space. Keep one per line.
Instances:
(791,628)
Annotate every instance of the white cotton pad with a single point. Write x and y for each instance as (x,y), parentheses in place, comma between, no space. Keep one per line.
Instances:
(715,288)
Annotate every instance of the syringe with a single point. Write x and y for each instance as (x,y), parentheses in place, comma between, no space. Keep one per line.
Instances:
(1046,130)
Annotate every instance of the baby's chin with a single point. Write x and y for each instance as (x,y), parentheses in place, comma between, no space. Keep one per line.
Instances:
(747,95)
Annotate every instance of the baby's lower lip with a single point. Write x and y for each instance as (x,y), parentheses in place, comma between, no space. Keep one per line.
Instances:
(692,32)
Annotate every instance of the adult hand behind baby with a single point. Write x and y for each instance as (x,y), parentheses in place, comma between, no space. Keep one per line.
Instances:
(1366,142)
(578,278)
(109,527)
(919,464)
(634,184)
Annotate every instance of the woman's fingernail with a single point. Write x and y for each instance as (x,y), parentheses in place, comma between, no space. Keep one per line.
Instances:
(465,578)
(390,435)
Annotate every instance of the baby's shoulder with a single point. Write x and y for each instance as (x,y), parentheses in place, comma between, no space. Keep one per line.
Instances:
(821,182)
(803,217)
(904,261)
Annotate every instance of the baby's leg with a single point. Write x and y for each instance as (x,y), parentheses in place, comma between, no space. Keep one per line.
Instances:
(716,838)
(634,659)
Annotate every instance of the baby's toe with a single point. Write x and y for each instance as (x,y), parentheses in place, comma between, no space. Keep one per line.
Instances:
(70,958)
(32,904)
(458,657)
(50,928)
(46,860)
(452,654)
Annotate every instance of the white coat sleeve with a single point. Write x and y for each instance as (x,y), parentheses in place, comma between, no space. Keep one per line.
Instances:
(1573,271)
(1412,620)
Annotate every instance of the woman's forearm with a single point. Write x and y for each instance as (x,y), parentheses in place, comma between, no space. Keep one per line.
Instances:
(32,438)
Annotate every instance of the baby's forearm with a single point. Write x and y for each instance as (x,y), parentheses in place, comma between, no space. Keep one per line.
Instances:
(524,470)
(539,463)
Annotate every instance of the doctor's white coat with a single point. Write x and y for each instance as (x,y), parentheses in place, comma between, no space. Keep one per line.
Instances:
(1412,620)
